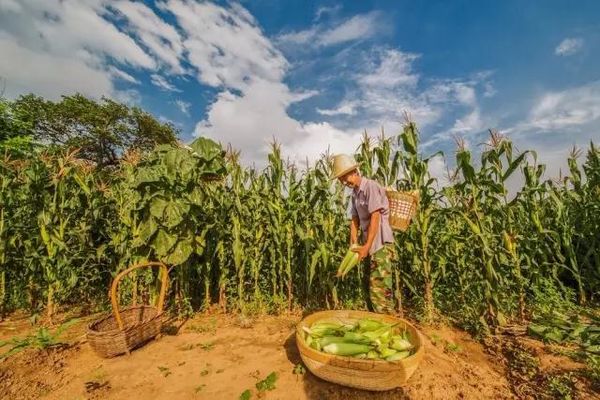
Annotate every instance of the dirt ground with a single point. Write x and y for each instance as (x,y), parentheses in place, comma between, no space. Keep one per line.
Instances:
(221,356)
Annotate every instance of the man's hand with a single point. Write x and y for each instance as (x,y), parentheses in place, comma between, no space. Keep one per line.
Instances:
(362,251)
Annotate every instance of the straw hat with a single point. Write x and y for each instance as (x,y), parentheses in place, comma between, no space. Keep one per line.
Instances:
(342,164)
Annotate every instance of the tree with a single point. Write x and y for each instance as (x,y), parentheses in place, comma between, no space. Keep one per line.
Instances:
(103,130)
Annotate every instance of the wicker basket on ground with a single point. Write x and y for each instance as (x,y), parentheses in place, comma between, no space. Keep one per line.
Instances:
(403,207)
(374,375)
(130,327)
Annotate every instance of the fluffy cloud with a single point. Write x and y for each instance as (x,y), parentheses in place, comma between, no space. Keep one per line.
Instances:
(57,47)
(570,108)
(358,27)
(161,38)
(183,106)
(569,46)
(225,45)
(162,83)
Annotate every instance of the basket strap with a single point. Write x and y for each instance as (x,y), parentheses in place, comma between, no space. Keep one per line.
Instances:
(115,285)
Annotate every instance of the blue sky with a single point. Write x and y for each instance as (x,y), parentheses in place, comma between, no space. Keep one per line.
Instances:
(315,75)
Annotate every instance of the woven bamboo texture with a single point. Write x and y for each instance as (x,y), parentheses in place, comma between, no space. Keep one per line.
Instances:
(130,327)
(373,375)
(403,207)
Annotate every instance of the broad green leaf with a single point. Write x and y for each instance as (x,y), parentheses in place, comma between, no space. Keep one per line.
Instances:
(180,253)
(157,207)
(174,213)
(163,242)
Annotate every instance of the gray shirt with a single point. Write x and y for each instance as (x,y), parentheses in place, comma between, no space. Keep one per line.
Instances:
(368,197)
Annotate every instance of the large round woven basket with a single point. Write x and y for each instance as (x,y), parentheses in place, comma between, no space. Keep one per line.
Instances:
(130,327)
(403,207)
(375,375)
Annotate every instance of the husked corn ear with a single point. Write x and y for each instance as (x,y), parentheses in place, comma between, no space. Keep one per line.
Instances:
(346,349)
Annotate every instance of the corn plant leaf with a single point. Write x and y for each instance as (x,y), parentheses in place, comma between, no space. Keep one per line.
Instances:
(147,229)
(174,213)
(157,207)
(163,242)
(180,253)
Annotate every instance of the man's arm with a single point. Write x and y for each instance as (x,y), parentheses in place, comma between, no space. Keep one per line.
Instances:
(354,230)
(363,251)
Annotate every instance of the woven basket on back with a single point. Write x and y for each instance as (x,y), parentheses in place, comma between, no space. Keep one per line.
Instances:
(130,327)
(403,207)
(375,375)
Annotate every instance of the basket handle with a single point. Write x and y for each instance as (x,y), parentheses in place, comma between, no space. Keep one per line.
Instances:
(115,285)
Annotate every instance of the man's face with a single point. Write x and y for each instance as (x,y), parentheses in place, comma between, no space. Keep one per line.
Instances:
(348,179)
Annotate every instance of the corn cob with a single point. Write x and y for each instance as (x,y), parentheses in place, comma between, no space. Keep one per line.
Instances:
(346,349)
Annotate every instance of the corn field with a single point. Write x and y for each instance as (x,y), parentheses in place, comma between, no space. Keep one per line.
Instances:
(271,240)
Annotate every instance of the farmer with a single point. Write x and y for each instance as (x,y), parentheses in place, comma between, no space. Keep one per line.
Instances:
(370,211)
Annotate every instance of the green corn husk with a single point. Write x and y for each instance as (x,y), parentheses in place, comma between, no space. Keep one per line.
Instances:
(309,340)
(319,330)
(350,260)
(367,338)
(367,325)
(353,337)
(353,262)
(387,352)
(316,344)
(398,356)
(373,355)
(346,349)
(325,340)
(400,344)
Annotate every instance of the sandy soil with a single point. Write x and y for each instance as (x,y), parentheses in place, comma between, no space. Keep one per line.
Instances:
(219,357)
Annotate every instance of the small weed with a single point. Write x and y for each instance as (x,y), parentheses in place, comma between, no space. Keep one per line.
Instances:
(207,327)
(268,383)
(453,347)
(562,386)
(206,346)
(165,371)
(299,369)
(42,339)
(204,372)
(246,395)
(199,388)
(186,347)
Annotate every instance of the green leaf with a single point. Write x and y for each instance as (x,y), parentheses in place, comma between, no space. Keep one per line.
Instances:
(246,395)
(174,213)
(147,230)
(268,383)
(206,148)
(157,207)
(163,243)
(180,253)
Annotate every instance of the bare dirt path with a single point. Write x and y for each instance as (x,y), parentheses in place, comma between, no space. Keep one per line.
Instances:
(214,357)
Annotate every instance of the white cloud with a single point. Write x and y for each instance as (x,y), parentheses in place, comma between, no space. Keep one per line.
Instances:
(117,73)
(161,38)
(569,46)
(358,27)
(10,5)
(387,85)
(183,106)
(64,46)
(346,108)
(564,109)
(160,82)
(327,11)
(45,74)
(226,45)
